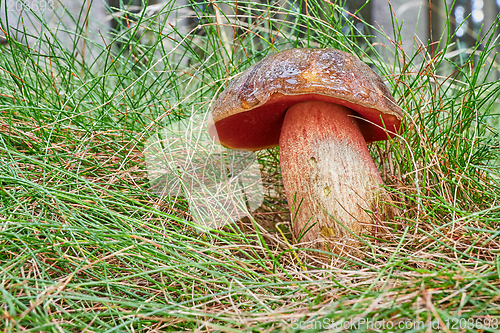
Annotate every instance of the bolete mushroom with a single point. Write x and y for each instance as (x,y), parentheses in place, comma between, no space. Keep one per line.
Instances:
(321,106)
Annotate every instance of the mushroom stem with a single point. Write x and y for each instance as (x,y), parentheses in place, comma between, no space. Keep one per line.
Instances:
(326,167)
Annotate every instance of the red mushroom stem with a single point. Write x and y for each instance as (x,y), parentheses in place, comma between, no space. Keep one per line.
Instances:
(326,167)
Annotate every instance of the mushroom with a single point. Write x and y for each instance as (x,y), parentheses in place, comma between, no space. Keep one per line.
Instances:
(321,106)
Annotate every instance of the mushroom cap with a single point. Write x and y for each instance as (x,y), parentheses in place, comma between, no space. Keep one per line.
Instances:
(249,113)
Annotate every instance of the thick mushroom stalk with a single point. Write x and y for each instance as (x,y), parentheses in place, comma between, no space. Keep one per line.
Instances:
(328,173)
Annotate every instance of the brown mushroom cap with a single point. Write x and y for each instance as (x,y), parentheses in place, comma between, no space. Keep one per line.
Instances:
(249,113)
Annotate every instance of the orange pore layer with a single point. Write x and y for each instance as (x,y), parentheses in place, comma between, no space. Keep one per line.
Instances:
(260,128)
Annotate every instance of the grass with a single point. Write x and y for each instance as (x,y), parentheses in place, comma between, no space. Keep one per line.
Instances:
(86,244)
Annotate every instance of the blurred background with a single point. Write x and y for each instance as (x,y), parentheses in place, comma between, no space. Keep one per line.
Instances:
(419,22)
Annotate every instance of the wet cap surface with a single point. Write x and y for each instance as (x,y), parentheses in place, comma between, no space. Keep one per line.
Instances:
(249,113)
